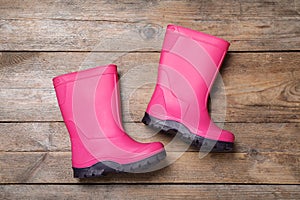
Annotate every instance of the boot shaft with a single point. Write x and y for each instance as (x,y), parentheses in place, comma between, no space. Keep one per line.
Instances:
(89,102)
(195,56)
(189,63)
(89,98)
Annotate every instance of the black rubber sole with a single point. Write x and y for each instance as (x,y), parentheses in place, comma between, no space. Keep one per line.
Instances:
(170,126)
(106,167)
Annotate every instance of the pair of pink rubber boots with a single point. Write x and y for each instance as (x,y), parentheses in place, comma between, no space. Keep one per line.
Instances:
(89,101)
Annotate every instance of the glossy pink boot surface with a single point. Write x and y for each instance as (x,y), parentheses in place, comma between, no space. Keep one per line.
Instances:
(90,105)
(189,63)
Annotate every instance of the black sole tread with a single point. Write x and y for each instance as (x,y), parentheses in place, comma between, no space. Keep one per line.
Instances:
(106,167)
(170,126)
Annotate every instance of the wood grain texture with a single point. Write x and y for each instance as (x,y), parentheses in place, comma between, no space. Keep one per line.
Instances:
(246,192)
(250,137)
(254,167)
(259,87)
(74,35)
(83,25)
(260,74)
(135,11)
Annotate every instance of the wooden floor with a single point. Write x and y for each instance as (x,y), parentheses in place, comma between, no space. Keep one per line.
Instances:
(261,74)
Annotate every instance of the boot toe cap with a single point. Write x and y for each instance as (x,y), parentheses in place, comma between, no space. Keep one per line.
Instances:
(227,136)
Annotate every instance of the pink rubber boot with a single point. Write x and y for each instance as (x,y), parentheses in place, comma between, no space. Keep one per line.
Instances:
(90,105)
(189,63)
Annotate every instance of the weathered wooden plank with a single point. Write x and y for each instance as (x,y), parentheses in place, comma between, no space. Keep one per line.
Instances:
(135,11)
(250,137)
(229,192)
(55,167)
(36,69)
(259,87)
(73,35)
(41,105)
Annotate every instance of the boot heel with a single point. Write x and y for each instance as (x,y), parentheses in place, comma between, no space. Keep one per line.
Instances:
(97,170)
(146,119)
